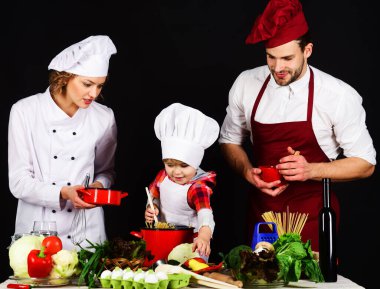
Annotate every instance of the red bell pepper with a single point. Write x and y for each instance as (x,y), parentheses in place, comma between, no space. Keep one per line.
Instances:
(39,263)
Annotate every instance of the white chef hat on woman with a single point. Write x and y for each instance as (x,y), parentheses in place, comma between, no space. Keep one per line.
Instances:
(185,133)
(89,57)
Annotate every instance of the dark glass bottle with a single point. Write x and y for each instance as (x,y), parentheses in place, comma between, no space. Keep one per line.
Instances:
(327,237)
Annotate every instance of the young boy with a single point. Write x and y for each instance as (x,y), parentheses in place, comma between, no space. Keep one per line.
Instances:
(181,192)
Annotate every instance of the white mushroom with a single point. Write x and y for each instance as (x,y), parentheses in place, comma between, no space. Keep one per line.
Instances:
(264,246)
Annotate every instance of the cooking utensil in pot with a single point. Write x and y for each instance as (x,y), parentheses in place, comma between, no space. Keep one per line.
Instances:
(160,242)
(151,203)
(102,196)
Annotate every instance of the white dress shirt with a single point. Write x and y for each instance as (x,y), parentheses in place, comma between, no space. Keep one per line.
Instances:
(338,115)
(47,150)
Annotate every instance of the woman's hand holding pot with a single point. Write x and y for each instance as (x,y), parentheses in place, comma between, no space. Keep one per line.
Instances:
(70,193)
(97,185)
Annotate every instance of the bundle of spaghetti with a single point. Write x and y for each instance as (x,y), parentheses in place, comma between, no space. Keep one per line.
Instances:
(159,225)
(286,222)
(163,225)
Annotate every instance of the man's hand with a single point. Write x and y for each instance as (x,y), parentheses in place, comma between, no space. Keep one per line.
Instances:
(295,167)
(253,176)
(238,159)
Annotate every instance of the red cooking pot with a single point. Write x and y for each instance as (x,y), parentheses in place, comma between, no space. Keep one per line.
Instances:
(102,196)
(160,242)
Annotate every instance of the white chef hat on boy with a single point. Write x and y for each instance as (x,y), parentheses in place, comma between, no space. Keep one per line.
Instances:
(89,57)
(185,133)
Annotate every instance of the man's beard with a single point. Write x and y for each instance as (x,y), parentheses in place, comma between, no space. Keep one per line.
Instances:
(294,76)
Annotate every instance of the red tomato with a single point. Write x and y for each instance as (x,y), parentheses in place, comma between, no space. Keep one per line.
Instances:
(52,244)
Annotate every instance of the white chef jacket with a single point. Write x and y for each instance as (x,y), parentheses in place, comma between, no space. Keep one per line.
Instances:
(338,115)
(47,150)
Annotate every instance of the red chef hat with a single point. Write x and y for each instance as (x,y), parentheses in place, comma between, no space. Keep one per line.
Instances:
(282,21)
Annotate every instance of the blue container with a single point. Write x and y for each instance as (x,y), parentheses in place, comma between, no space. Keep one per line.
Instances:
(267,237)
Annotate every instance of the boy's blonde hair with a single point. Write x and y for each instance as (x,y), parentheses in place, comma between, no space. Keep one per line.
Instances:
(173,161)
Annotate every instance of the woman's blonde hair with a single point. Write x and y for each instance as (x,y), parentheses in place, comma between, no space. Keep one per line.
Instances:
(58,81)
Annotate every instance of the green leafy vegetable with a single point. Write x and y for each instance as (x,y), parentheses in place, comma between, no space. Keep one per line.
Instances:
(92,259)
(233,259)
(247,265)
(294,258)
(91,262)
(128,249)
(291,260)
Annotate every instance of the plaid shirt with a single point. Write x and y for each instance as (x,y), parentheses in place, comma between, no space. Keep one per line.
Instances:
(198,195)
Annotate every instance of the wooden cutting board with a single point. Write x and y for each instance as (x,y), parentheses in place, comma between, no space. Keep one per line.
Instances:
(211,284)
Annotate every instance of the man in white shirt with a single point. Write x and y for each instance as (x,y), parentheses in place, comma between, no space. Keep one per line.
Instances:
(288,107)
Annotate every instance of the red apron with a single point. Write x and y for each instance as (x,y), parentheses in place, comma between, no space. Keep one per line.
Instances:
(270,142)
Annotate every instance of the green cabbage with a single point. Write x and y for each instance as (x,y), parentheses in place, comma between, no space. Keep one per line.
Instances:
(182,253)
(19,251)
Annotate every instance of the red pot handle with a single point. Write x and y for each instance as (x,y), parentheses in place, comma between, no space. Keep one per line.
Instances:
(123,195)
(136,234)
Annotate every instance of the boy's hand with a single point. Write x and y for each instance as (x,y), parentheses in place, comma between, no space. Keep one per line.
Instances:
(149,214)
(202,242)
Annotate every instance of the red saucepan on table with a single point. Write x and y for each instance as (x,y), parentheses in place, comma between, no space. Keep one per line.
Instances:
(160,242)
(98,196)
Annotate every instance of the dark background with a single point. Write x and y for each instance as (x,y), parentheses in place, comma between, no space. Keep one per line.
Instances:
(189,52)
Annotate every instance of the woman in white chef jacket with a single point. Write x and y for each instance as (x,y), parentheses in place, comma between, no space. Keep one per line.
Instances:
(58,136)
